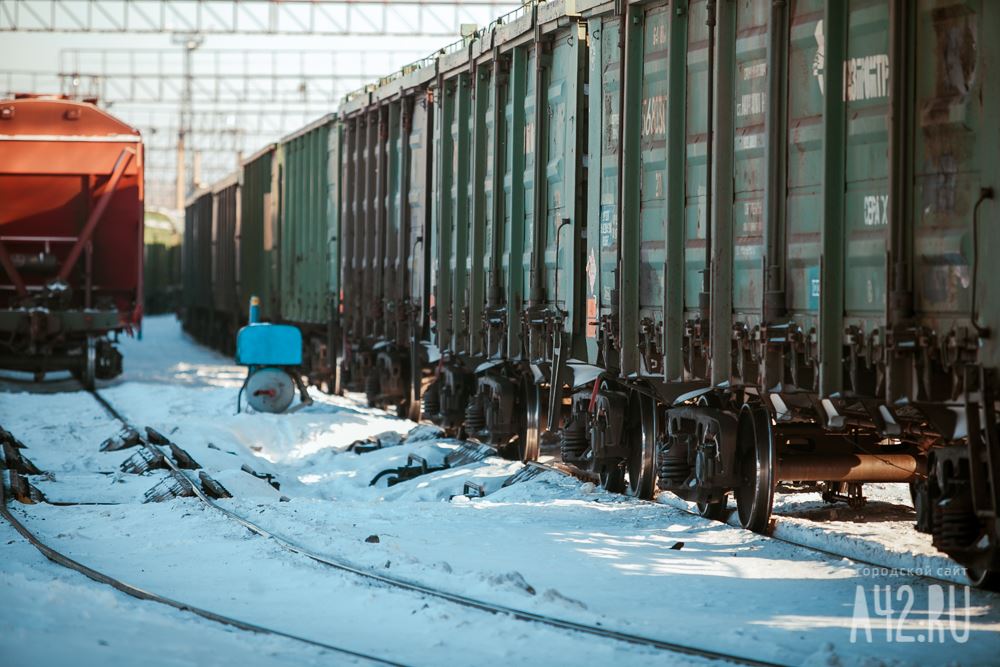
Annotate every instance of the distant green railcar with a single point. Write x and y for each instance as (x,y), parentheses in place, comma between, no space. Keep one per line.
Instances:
(161,264)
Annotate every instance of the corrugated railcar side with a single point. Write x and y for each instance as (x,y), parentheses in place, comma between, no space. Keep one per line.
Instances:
(309,231)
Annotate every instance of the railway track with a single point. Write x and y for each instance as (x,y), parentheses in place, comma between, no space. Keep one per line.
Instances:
(414,587)
(134,591)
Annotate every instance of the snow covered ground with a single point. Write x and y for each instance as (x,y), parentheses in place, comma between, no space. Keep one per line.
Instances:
(550,545)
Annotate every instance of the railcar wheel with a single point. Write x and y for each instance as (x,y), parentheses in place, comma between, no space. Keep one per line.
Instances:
(534,417)
(716,511)
(89,375)
(612,477)
(641,463)
(756,458)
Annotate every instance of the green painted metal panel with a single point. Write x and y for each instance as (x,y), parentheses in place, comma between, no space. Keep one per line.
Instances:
(831,307)
(457,162)
(517,199)
(305,226)
(631,193)
(376,251)
(644,184)
(563,154)
(225,221)
(360,225)
(393,253)
(988,296)
(418,195)
(673,307)
(866,200)
(332,211)
(370,304)
(528,178)
(481,204)
(602,204)
(721,193)
(348,224)
(257,256)
(695,169)
(951,156)
(197,264)
(803,202)
(497,216)
(461,215)
(749,159)
(653,162)
(443,213)
(559,136)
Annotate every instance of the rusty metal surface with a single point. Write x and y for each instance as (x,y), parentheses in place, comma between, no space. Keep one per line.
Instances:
(898,468)
(59,161)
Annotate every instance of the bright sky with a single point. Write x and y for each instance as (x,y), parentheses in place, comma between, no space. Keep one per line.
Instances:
(225,127)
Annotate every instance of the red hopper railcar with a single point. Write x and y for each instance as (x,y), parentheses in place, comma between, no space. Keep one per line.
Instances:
(71,235)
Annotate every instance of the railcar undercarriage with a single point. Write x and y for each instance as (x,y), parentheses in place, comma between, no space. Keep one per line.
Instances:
(715,443)
(41,340)
(394,380)
(446,399)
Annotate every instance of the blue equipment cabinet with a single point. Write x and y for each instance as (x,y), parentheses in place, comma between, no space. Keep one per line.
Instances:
(272,354)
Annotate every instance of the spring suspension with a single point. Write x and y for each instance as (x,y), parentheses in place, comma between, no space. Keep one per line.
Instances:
(475,416)
(431,401)
(573,441)
(674,468)
(955,525)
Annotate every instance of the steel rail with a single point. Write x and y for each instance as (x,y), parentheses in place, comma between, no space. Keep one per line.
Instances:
(415,587)
(142,594)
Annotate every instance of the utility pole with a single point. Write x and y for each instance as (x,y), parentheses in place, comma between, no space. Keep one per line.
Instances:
(190,42)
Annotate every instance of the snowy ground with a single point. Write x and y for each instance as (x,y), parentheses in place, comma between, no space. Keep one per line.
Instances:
(550,545)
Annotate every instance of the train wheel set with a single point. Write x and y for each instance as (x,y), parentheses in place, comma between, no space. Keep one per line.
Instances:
(712,248)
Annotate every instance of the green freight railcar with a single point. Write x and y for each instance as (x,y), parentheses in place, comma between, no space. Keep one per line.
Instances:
(511,160)
(700,245)
(161,264)
(798,225)
(258,237)
(309,252)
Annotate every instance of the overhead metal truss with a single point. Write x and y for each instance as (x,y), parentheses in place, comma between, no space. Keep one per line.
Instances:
(168,89)
(201,109)
(216,140)
(404,18)
(272,121)
(116,76)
